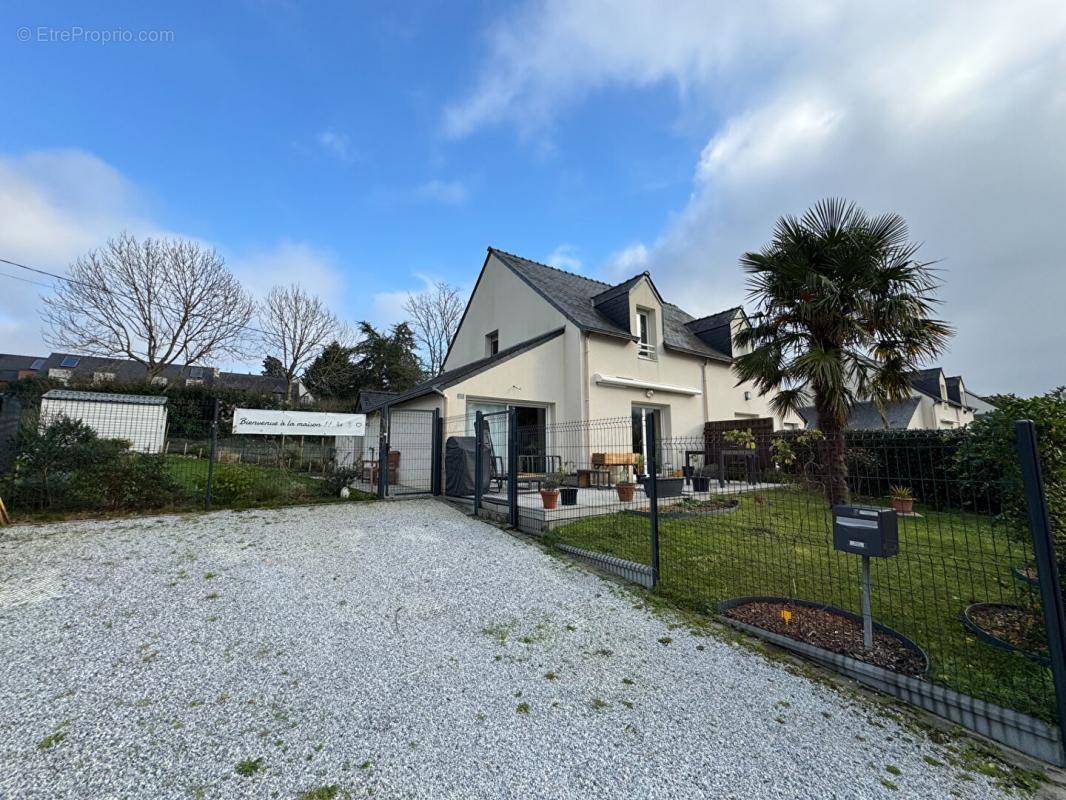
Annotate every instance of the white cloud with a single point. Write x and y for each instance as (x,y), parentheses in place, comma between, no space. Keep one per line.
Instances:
(627,262)
(951,114)
(335,144)
(57,205)
(290,262)
(54,206)
(564,257)
(450,193)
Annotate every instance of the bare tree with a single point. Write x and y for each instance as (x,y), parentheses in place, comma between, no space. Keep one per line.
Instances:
(157,302)
(434,316)
(295,327)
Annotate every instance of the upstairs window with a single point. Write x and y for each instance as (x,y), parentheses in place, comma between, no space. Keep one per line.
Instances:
(69,361)
(645,342)
(492,343)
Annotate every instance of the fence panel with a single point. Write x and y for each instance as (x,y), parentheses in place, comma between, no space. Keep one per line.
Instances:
(95,452)
(411,451)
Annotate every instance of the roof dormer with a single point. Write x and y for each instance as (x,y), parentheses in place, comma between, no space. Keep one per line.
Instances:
(719,330)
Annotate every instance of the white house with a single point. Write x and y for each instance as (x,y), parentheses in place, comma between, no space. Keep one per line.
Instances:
(560,347)
(936,402)
(140,420)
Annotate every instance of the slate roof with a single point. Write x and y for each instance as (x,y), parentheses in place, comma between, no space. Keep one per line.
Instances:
(459,374)
(106,397)
(576,297)
(370,399)
(866,417)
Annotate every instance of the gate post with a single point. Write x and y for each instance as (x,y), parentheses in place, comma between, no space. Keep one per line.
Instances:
(436,450)
(512,466)
(652,481)
(478,468)
(211,458)
(1046,567)
(383,454)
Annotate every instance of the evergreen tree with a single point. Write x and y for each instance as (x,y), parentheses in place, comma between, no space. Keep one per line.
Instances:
(333,374)
(273,367)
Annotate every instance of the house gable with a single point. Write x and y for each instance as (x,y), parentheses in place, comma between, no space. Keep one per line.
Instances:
(501,304)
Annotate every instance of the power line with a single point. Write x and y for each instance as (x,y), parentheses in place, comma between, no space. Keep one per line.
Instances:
(26,280)
(68,279)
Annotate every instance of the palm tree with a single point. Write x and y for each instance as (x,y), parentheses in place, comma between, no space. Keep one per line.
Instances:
(844,314)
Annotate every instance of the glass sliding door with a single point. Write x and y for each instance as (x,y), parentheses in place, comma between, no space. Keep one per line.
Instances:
(641,415)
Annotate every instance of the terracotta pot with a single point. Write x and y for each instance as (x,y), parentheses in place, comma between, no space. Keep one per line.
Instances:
(903,506)
(549,497)
(625,491)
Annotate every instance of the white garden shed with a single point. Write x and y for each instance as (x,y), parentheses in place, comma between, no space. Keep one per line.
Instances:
(140,420)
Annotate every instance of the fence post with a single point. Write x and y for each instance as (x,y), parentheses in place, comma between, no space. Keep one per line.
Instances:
(652,493)
(512,466)
(211,457)
(1046,567)
(478,468)
(436,451)
(383,454)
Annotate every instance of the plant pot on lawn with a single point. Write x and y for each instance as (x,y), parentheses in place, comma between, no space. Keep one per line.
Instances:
(625,491)
(902,499)
(1009,627)
(568,495)
(549,497)
(825,633)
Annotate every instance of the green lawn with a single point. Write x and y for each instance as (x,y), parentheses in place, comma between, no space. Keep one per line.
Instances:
(779,543)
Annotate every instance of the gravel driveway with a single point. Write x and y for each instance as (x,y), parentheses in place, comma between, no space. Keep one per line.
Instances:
(395,650)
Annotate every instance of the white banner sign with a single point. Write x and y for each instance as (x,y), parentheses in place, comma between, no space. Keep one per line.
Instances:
(297,423)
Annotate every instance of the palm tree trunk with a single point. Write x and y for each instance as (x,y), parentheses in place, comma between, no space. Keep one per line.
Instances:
(834,468)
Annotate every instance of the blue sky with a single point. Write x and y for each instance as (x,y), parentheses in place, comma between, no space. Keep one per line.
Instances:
(361,149)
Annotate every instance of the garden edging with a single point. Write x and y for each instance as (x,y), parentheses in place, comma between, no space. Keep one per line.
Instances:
(1022,732)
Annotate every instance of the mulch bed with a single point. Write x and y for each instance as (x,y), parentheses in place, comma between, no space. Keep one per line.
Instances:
(832,632)
(1021,628)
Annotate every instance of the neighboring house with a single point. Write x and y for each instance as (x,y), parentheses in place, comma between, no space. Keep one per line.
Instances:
(83,370)
(14,367)
(560,347)
(937,402)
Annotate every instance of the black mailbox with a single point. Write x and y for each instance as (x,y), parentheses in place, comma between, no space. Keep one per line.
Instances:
(865,530)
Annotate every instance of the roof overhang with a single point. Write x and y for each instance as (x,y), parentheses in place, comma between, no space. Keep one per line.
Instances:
(633,383)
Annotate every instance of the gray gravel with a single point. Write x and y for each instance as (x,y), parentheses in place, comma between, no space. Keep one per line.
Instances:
(399,650)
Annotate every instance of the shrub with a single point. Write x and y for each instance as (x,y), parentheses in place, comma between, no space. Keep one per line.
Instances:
(233,483)
(987,460)
(67,466)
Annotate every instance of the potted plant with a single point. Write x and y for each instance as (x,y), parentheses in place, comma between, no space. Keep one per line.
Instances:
(549,491)
(567,488)
(625,491)
(638,467)
(667,486)
(701,478)
(902,499)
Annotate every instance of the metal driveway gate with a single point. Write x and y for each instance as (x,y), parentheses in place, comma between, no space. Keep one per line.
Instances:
(409,452)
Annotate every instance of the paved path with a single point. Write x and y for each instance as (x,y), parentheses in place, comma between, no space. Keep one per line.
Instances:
(395,650)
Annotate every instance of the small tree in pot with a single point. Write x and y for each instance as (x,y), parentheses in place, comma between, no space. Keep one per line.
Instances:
(549,491)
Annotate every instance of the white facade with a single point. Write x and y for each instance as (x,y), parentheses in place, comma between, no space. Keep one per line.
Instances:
(113,416)
(582,373)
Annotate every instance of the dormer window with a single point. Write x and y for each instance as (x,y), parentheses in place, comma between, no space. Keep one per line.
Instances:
(492,343)
(645,335)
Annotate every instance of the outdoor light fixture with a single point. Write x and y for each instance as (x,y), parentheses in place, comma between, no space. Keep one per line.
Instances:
(870,532)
